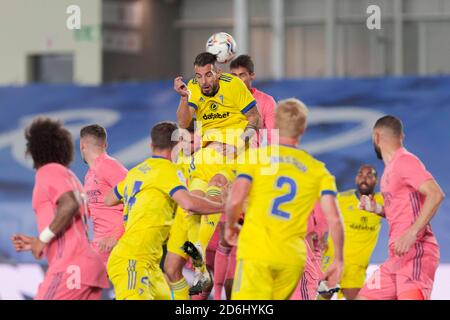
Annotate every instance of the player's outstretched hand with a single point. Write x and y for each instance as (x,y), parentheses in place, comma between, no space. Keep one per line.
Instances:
(180,87)
(21,242)
(333,274)
(107,244)
(404,243)
(37,248)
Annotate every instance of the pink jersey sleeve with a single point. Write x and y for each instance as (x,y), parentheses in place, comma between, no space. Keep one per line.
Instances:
(413,171)
(112,171)
(269,113)
(266,108)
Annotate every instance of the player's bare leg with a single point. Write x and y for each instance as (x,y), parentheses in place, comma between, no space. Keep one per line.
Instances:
(350,293)
(221,263)
(173,267)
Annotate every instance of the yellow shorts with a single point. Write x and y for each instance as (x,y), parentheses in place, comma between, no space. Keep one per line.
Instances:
(184,228)
(256,280)
(137,280)
(353,276)
(208,226)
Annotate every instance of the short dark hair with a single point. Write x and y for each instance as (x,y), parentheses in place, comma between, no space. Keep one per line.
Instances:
(391,122)
(245,61)
(94,130)
(371,167)
(204,59)
(162,135)
(49,142)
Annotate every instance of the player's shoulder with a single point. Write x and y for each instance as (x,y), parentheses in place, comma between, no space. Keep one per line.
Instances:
(193,87)
(52,168)
(407,157)
(378,197)
(347,193)
(192,81)
(262,95)
(113,162)
(228,78)
(311,161)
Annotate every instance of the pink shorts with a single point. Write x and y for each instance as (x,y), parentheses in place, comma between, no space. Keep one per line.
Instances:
(397,275)
(54,287)
(104,256)
(312,274)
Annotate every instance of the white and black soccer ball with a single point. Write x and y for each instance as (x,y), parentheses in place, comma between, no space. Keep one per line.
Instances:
(222,45)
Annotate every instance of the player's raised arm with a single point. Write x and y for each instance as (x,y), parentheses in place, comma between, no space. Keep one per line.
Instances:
(254,120)
(196,204)
(184,112)
(330,209)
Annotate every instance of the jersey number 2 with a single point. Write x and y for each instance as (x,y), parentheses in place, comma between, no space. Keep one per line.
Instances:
(280,183)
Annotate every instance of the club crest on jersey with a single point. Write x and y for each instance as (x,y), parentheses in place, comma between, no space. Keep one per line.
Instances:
(213,107)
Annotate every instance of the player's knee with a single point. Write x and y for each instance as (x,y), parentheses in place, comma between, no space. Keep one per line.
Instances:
(218,180)
(173,270)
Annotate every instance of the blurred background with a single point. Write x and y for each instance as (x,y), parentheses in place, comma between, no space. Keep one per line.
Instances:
(117,70)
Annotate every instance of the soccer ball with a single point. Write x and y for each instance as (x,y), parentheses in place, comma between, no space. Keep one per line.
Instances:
(222,45)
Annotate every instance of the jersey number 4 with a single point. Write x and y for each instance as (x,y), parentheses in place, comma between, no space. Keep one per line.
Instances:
(292,191)
(130,200)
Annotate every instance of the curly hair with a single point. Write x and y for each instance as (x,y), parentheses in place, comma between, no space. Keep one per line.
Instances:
(48,141)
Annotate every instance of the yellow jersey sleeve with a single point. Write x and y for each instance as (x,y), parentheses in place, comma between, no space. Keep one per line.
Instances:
(327,183)
(173,181)
(194,94)
(119,188)
(244,98)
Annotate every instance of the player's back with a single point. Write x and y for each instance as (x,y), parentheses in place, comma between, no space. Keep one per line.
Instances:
(146,192)
(280,203)
(70,247)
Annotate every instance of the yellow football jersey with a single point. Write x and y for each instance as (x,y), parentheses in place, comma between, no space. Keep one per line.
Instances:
(225,110)
(286,183)
(184,163)
(146,193)
(361,229)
